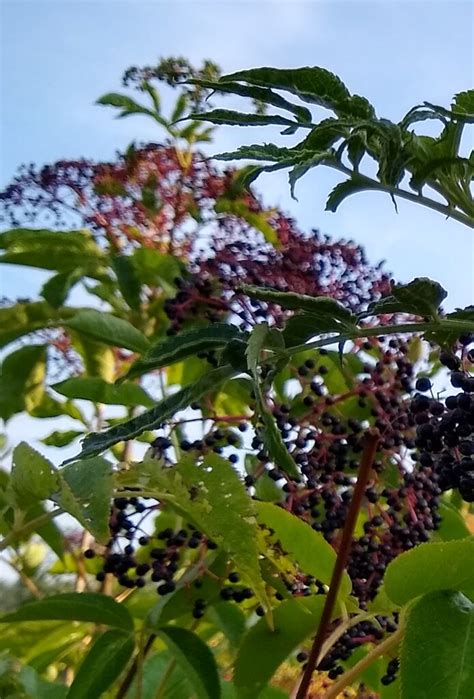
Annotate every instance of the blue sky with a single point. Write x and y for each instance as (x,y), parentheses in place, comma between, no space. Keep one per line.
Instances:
(58,57)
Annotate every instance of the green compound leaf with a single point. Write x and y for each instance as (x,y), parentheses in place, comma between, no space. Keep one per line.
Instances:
(437,654)
(422,297)
(33,477)
(447,565)
(109,329)
(97,442)
(196,660)
(74,606)
(233,118)
(186,344)
(104,662)
(301,543)
(262,650)
(86,491)
(99,391)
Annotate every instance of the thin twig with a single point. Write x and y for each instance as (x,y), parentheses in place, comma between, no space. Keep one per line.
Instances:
(349,676)
(371,441)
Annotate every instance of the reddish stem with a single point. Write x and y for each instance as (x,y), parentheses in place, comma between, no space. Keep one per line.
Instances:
(368,455)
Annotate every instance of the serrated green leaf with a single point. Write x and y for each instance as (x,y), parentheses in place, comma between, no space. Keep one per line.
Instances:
(447,565)
(33,477)
(233,118)
(464,103)
(95,443)
(344,189)
(22,375)
(302,544)
(437,653)
(86,492)
(294,621)
(421,297)
(99,391)
(195,659)
(186,344)
(109,329)
(312,84)
(105,661)
(267,151)
(260,94)
(74,606)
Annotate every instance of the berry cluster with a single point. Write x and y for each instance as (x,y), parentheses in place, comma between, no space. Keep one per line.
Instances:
(445,430)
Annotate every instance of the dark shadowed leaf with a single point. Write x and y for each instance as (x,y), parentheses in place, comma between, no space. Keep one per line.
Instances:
(178,347)
(262,95)
(421,297)
(196,660)
(344,189)
(105,661)
(232,118)
(312,84)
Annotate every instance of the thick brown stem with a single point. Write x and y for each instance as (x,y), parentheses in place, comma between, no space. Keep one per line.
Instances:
(129,677)
(370,447)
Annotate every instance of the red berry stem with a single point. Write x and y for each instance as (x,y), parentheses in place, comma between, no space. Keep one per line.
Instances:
(368,455)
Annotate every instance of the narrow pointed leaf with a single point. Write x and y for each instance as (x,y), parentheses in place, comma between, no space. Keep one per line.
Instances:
(232,118)
(187,344)
(99,391)
(74,606)
(261,94)
(109,329)
(196,660)
(344,189)
(22,375)
(103,664)
(312,84)
(318,305)
(95,443)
